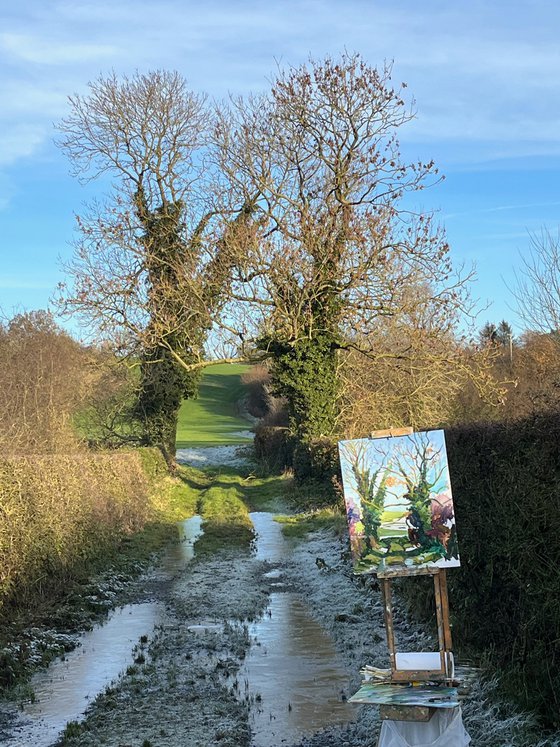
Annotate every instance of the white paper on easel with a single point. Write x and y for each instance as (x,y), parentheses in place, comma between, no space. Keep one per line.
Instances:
(419,661)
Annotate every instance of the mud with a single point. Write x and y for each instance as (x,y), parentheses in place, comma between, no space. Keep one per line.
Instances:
(194,680)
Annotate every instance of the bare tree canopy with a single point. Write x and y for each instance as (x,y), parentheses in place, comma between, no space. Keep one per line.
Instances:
(149,133)
(283,220)
(537,286)
(320,151)
(145,130)
(336,249)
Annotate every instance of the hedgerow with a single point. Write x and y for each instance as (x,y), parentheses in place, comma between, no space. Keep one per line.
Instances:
(61,512)
(505,598)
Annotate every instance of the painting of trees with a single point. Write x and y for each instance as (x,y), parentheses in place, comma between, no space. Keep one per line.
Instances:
(399,503)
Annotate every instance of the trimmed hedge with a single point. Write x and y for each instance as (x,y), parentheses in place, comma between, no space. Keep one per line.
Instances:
(505,598)
(59,513)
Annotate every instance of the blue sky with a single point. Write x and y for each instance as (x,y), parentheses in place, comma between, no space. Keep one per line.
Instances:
(485,76)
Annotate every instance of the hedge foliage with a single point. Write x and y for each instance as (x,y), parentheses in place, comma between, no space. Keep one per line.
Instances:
(505,598)
(274,448)
(60,512)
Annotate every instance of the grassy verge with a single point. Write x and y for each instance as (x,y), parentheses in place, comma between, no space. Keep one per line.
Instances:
(225,497)
(299,525)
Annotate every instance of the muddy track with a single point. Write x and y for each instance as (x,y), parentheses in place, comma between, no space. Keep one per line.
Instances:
(179,691)
(187,685)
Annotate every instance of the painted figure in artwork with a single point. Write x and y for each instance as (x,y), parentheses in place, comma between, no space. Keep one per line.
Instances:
(414,525)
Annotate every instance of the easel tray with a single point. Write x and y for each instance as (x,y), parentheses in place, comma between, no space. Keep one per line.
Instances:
(406,695)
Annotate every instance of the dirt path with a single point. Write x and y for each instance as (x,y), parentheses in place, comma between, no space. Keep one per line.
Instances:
(184,684)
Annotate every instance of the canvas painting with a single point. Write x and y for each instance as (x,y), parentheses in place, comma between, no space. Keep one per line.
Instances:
(398,502)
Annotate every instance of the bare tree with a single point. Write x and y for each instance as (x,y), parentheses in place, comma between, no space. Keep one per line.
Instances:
(337,250)
(149,270)
(416,378)
(537,287)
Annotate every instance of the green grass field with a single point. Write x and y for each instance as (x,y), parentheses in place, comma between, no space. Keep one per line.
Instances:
(212,419)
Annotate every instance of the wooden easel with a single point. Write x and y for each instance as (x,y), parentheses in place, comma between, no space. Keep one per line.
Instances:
(445,671)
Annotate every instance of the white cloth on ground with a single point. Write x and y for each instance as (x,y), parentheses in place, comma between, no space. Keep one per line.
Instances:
(444,729)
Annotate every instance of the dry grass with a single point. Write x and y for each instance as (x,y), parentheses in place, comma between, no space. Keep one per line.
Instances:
(60,512)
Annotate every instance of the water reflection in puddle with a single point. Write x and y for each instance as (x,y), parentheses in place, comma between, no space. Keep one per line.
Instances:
(63,691)
(270,544)
(178,555)
(290,671)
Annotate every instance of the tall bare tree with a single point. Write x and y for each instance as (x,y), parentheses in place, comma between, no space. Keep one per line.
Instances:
(537,288)
(148,271)
(337,249)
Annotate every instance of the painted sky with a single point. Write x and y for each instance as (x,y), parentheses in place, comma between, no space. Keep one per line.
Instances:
(485,77)
(382,453)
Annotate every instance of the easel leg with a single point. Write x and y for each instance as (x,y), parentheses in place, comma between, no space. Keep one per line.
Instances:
(388,614)
(442,612)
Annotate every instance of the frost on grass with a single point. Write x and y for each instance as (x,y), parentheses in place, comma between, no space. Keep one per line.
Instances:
(210,456)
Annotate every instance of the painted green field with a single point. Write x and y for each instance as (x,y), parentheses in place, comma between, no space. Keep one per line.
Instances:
(212,419)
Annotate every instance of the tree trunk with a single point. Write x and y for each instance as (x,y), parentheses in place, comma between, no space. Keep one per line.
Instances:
(164,385)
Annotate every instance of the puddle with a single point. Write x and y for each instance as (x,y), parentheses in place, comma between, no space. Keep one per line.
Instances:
(270,543)
(249,435)
(291,671)
(178,555)
(205,627)
(274,573)
(64,690)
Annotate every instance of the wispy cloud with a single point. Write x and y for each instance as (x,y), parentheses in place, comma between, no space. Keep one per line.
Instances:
(21,141)
(7,191)
(484,75)
(41,51)
(501,208)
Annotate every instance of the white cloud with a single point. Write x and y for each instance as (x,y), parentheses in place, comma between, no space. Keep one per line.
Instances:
(39,100)
(59,51)
(481,73)
(21,141)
